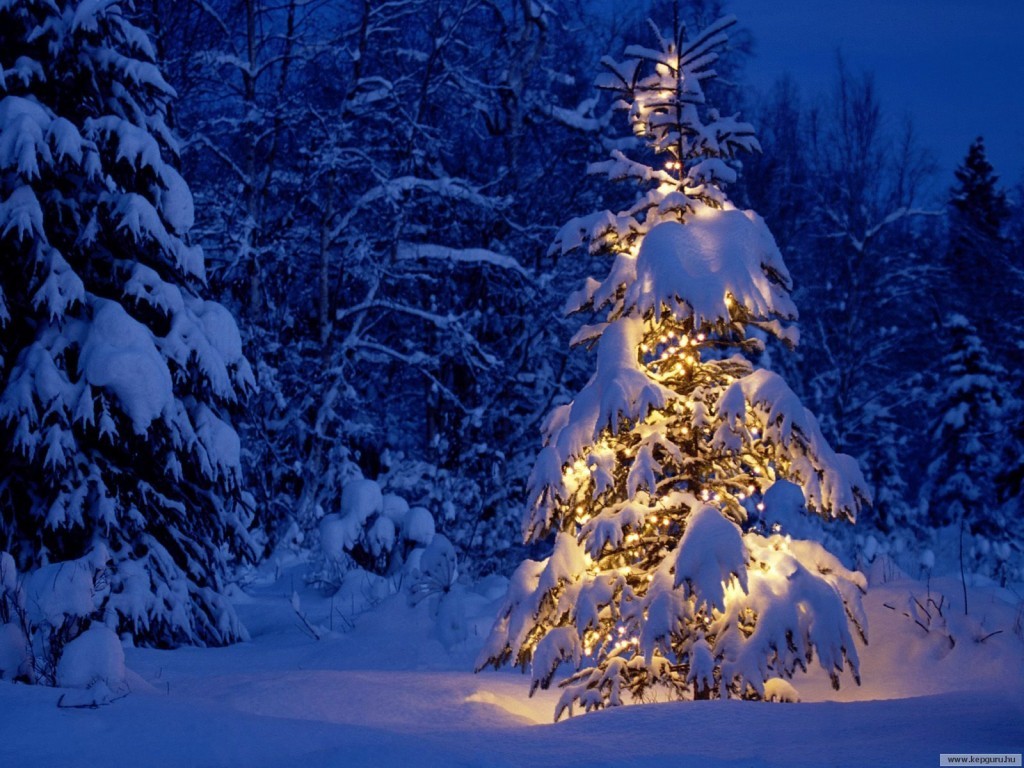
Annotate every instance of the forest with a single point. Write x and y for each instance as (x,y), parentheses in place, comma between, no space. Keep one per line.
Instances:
(334,282)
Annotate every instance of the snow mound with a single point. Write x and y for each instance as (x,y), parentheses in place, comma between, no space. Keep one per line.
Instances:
(15,660)
(778,689)
(93,665)
(94,656)
(419,526)
(361,498)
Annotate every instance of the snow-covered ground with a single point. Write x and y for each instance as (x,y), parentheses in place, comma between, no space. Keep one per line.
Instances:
(386,692)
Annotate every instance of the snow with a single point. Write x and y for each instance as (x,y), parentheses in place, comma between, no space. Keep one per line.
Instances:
(784,511)
(120,355)
(619,390)
(389,693)
(176,201)
(459,256)
(438,563)
(778,689)
(8,573)
(361,498)
(22,140)
(418,526)
(395,507)
(21,213)
(221,330)
(698,268)
(14,660)
(336,537)
(94,657)
(62,590)
(709,556)
(220,442)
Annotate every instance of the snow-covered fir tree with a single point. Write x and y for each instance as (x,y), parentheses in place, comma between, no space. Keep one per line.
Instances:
(117,376)
(977,259)
(656,482)
(971,403)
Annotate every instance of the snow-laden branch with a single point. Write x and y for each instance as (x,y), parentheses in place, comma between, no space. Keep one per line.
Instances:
(459,256)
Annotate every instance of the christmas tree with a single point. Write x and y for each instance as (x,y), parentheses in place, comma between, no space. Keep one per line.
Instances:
(117,378)
(671,483)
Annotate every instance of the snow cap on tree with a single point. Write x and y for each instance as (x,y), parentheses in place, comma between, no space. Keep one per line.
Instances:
(652,479)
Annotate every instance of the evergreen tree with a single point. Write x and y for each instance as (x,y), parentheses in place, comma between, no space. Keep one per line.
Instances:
(971,404)
(977,259)
(117,376)
(656,480)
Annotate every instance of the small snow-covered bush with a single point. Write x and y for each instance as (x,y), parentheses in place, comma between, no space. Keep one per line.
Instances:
(374,532)
(778,689)
(45,612)
(93,664)
(435,577)
(15,651)
(435,571)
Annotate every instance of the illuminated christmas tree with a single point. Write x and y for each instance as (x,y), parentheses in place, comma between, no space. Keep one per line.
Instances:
(673,480)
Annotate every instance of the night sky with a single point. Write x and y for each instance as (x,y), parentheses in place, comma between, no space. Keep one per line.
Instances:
(956,67)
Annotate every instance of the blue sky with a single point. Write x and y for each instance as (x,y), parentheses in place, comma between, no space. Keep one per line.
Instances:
(956,67)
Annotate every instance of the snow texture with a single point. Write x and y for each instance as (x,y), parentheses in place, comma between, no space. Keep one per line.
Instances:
(60,591)
(710,555)
(379,531)
(119,354)
(15,659)
(94,657)
(697,270)
(275,701)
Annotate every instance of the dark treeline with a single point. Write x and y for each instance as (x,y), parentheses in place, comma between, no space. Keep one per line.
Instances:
(377,186)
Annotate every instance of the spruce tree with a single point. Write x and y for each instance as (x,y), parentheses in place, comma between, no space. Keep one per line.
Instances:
(656,481)
(971,405)
(978,257)
(117,376)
